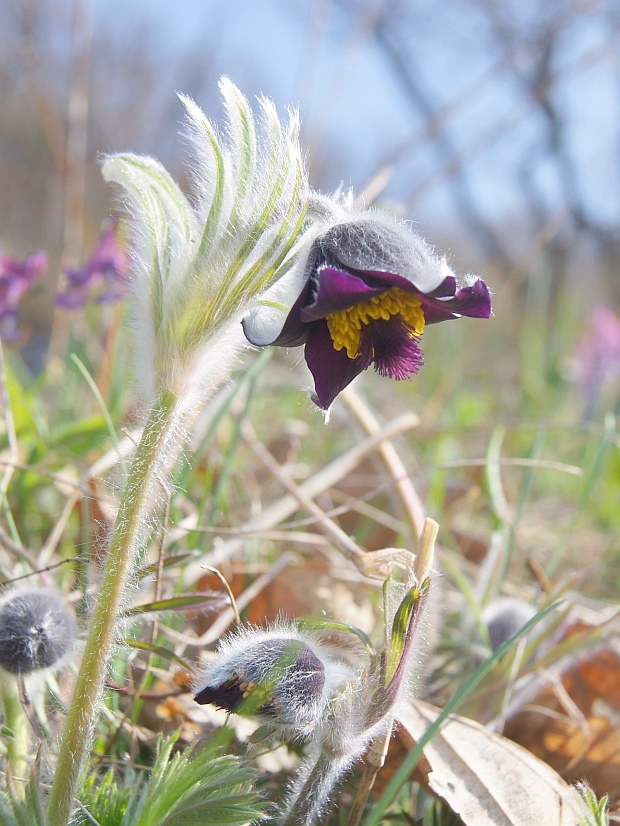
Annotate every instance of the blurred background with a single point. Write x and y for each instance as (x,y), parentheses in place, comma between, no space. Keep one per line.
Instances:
(493,126)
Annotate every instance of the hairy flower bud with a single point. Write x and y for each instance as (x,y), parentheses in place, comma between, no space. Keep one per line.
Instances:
(504,617)
(279,674)
(36,631)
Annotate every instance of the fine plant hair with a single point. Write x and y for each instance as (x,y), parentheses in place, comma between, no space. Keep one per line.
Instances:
(288,677)
(304,669)
(37,636)
(37,631)
(196,268)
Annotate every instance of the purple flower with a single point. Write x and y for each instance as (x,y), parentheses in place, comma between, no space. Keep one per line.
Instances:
(280,674)
(368,289)
(107,266)
(16,277)
(597,356)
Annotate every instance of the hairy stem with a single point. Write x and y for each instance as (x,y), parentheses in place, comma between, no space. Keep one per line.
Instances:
(135,508)
(374,762)
(15,719)
(312,791)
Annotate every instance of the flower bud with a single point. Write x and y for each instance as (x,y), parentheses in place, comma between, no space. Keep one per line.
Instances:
(504,617)
(278,674)
(36,631)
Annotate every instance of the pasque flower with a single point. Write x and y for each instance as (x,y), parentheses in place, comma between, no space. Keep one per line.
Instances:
(108,267)
(504,617)
(361,291)
(596,360)
(338,693)
(16,278)
(282,675)
(37,635)
(37,631)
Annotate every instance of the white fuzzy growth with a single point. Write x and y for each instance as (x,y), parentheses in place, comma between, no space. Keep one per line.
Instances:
(239,654)
(196,266)
(504,617)
(37,631)
(339,743)
(362,240)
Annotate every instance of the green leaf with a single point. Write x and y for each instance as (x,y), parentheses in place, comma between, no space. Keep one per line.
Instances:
(197,788)
(181,603)
(168,562)
(402,627)
(159,650)
(99,399)
(314,624)
(22,806)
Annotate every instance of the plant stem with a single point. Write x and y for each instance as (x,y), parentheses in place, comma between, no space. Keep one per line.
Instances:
(134,510)
(374,761)
(15,719)
(311,793)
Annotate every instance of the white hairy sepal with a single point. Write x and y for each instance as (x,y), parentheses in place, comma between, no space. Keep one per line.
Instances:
(245,654)
(362,240)
(195,266)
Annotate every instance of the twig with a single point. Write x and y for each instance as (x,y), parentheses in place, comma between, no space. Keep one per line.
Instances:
(39,571)
(231,596)
(17,549)
(412,505)
(285,507)
(370,564)
(326,525)
(227,617)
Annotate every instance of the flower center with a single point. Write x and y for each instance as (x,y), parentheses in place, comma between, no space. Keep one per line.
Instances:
(345,326)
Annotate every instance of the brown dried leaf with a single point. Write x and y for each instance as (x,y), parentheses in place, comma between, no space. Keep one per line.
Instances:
(487,779)
(307,588)
(576,729)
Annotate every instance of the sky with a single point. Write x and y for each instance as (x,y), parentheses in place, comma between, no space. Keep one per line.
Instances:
(359,121)
(306,52)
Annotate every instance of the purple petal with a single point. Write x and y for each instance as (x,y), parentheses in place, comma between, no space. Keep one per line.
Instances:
(73,297)
(29,269)
(338,290)
(473,301)
(332,369)
(76,278)
(8,325)
(392,348)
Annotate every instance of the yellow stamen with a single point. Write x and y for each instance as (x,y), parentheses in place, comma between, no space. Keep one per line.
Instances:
(345,326)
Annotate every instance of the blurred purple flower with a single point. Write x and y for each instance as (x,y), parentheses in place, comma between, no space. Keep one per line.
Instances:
(597,355)
(366,291)
(107,266)
(16,277)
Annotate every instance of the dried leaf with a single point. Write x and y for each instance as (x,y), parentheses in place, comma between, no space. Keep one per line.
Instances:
(487,779)
(576,729)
